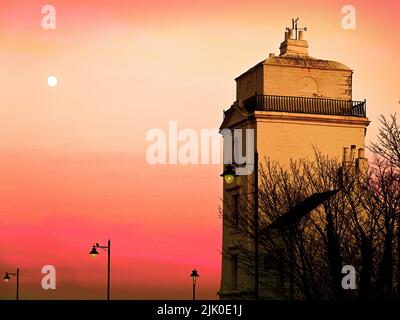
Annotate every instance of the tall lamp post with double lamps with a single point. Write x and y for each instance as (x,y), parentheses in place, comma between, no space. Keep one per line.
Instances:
(194,276)
(7,278)
(94,254)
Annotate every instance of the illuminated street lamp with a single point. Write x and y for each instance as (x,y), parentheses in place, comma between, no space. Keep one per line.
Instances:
(229,174)
(194,276)
(8,278)
(94,254)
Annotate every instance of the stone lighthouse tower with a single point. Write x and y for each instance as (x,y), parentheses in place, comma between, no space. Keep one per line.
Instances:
(294,103)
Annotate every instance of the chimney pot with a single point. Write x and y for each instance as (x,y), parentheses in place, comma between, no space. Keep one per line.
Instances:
(346,154)
(361,153)
(352,152)
(286,35)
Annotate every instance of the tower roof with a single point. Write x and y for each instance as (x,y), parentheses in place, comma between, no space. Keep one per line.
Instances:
(299,61)
(294,53)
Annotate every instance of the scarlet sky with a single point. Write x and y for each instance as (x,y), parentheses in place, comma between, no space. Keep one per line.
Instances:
(73,158)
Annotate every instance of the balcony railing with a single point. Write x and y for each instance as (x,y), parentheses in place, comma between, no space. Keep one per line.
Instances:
(334,107)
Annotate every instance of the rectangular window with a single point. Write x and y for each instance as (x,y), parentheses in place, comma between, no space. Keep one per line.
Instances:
(234,269)
(236,210)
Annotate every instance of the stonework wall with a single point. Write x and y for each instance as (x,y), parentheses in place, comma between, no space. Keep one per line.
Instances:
(307,82)
(283,139)
(250,83)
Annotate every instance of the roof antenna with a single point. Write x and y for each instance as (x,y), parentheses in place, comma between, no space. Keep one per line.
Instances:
(296,28)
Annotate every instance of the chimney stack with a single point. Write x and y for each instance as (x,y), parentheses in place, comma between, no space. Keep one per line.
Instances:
(294,43)
(359,165)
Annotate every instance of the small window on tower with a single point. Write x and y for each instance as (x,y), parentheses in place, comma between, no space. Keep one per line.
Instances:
(234,269)
(236,210)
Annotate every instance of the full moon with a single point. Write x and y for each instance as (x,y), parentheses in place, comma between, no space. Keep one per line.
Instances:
(52,81)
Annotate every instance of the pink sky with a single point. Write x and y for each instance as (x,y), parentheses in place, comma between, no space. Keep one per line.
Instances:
(73,161)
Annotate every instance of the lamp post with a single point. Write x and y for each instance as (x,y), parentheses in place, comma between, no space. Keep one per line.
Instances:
(7,278)
(229,176)
(194,276)
(94,254)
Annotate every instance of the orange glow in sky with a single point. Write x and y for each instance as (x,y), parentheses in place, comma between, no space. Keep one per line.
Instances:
(73,157)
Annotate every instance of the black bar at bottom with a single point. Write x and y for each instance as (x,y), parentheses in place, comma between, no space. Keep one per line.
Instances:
(200,309)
